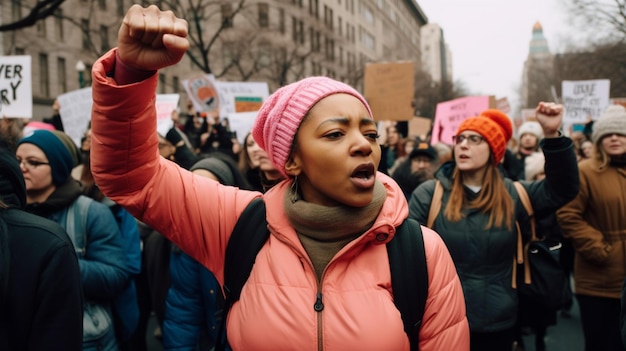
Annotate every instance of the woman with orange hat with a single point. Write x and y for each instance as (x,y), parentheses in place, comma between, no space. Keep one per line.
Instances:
(479,208)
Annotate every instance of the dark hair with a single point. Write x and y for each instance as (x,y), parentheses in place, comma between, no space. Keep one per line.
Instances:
(239,180)
(5,257)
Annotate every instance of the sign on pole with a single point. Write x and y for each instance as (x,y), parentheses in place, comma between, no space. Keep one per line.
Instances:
(75,112)
(389,90)
(16,92)
(165,105)
(450,114)
(584,99)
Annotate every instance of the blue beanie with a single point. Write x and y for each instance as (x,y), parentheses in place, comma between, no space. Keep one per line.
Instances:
(59,157)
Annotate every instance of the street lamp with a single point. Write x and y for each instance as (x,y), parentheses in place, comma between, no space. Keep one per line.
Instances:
(80,68)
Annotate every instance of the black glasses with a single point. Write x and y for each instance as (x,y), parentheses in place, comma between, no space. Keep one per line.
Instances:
(32,164)
(471,139)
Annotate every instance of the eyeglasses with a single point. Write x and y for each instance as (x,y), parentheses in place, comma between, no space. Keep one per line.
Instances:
(32,164)
(471,139)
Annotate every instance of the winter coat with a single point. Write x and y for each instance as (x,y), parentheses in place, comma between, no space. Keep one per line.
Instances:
(103,270)
(595,221)
(484,258)
(43,275)
(41,298)
(191,305)
(275,311)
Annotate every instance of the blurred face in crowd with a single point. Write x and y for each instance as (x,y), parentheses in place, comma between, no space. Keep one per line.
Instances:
(528,141)
(336,153)
(166,149)
(254,151)
(420,163)
(614,144)
(586,148)
(471,151)
(37,172)
(393,137)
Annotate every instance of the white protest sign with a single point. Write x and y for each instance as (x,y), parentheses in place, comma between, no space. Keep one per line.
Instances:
(584,98)
(241,123)
(16,91)
(165,105)
(238,97)
(75,112)
(202,93)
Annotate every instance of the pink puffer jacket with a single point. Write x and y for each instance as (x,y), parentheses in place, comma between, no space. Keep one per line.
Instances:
(275,311)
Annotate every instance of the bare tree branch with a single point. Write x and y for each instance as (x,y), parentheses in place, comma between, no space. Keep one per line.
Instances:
(40,11)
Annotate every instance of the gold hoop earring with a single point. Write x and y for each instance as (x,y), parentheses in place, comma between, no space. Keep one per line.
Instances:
(294,190)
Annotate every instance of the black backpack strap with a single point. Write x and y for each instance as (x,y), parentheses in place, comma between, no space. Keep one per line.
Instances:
(248,236)
(409,277)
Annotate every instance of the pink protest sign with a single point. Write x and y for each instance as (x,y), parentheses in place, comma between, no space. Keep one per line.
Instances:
(451,113)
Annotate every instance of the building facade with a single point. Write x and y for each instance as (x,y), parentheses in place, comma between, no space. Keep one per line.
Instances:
(276,41)
(436,55)
(537,76)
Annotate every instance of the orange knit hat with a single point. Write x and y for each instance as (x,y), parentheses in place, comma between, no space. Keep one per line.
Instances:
(495,127)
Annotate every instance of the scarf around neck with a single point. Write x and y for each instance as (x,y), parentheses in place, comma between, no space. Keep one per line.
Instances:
(324,230)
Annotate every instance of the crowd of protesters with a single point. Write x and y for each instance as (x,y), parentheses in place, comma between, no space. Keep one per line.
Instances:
(131,223)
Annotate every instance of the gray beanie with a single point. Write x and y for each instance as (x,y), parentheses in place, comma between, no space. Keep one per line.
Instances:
(216,166)
(612,121)
(531,127)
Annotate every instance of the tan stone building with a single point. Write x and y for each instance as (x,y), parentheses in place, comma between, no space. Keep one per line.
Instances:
(276,41)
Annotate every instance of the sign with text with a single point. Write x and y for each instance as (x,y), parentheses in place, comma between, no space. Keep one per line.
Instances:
(165,105)
(16,91)
(584,99)
(450,114)
(203,94)
(238,97)
(75,112)
(389,89)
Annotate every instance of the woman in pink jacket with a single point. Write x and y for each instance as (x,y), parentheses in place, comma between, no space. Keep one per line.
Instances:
(328,221)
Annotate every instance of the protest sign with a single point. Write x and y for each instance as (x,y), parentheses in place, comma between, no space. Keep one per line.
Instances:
(165,105)
(420,126)
(75,112)
(241,124)
(238,97)
(389,89)
(202,92)
(16,91)
(584,99)
(450,114)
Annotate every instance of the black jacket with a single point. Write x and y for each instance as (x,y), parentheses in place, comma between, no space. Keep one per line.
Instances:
(41,300)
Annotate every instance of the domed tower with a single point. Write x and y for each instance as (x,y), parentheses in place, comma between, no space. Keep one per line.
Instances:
(538,43)
(538,70)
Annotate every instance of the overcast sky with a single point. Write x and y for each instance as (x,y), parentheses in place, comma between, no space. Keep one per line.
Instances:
(489,39)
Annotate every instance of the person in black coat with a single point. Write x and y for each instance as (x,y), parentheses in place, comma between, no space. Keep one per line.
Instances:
(41,297)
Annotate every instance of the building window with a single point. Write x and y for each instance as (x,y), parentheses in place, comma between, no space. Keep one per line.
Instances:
(281,21)
(314,8)
(264,56)
(104,38)
(340,26)
(120,8)
(16,10)
(84,26)
(297,30)
(264,15)
(367,40)
(162,80)
(227,15)
(328,17)
(58,24)
(297,3)
(102,4)
(41,28)
(340,56)
(329,48)
(175,84)
(367,14)
(62,74)
(20,51)
(44,75)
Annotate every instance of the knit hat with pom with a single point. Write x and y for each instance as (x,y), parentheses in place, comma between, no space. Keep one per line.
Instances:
(612,121)
(531,127)
(280,115)
(495,127)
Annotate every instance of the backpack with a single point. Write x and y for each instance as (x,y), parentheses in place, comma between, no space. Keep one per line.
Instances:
(407,262)
(542,279)
(97,319)
(124,308)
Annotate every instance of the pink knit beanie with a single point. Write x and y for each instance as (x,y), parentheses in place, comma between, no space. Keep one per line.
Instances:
(280,115)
